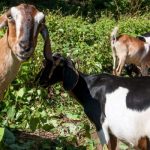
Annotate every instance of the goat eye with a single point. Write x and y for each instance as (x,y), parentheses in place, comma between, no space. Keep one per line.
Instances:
(9,17)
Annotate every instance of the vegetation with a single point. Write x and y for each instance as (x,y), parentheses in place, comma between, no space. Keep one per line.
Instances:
(55,120)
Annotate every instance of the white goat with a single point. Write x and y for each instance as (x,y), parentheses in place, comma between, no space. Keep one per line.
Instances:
(129,50)
(24,22)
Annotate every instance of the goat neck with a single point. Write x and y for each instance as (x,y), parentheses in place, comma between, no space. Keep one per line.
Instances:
(82,94)
(81,91)
(9,65)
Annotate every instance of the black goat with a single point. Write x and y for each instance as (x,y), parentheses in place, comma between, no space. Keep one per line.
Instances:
(118,106)
(132,70)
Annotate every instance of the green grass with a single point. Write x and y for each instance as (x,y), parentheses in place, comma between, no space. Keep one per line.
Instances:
(27,107)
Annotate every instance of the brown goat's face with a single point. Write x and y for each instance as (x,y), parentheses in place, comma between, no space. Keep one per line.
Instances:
(24,23)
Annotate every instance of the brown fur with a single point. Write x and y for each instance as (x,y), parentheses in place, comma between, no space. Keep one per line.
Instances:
(130,50)
(10,44)
(112,145)
(143,143)
(9,65)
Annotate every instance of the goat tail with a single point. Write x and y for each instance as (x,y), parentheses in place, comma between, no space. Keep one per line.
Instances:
(113,41)
(114,34)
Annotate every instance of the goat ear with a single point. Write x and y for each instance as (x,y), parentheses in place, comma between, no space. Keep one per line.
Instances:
(3,21)
(47,44)
(70,76)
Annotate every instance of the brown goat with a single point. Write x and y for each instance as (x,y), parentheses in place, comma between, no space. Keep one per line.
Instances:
(129,50)
(24,22)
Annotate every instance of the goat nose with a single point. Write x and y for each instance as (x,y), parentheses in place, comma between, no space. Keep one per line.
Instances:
(25,45)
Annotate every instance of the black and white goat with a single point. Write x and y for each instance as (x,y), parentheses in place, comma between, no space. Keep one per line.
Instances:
(118,106)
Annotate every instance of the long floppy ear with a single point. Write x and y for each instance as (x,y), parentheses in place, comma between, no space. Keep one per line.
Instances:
(3,21)
(70,76)
(47,45)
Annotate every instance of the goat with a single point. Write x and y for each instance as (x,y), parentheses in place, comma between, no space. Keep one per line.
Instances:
(131,68)
(119,107)
(24,22)
(129,50)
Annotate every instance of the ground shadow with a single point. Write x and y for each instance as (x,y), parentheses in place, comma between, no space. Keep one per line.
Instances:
(22,140)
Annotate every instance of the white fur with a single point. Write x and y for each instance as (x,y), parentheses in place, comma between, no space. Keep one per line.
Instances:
(17,16)
(114,33)
(146,50)
(37,19)
(147,39)
(126,124)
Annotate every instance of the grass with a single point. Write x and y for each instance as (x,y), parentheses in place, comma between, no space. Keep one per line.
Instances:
(32,111)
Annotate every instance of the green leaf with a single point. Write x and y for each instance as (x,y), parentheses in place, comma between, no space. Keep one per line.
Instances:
(123,146)
(1,133)
(53,122)
(21,92)
(11,112)
(71,126)
(48,127)
(72,116)
(39,92)
(34,123)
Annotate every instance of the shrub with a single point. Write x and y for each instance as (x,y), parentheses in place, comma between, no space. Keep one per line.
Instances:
(27,106)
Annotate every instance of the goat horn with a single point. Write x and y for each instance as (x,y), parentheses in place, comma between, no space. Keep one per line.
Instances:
(47,45)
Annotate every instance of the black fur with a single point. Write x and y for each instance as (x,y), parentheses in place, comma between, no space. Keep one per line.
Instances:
(132,70)
(91,90)
(80,89)
(143,36)
(139,89)
(146,34)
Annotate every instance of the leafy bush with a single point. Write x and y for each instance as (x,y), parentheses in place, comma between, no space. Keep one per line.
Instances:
(90,8)
(28,107)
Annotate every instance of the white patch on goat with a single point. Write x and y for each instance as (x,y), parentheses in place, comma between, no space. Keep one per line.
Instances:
(147,39)
(126,124)
(17,16)
(147,49)
(37,19)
